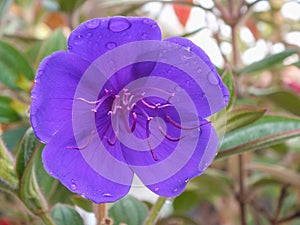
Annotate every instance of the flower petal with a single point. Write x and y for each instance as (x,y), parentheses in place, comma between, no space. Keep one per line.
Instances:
(64,162)
(97,36)
(53,92)
(212,75)
(173,184)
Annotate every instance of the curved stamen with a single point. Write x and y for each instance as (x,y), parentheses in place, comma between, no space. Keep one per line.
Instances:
(111,142)
(156,106)
(91,136)
(134,121)
(181,127)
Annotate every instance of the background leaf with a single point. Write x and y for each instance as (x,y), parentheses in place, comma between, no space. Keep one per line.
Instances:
(242,116)
(4,5)
(128,210)
(16,73)
(267,131)
(267,62)
(7,113)
(65,215)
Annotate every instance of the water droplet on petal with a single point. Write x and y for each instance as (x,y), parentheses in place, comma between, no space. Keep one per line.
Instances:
(187,54)
(175,190)
(144,35)
(212,79)
(153,26)
(186,180)
(119,24)
(111,45)
(89,34)
(73,187)
(107,195)
(146,21)
(178,88)
(40,72)
(92,24)
(156,189)
(78,40)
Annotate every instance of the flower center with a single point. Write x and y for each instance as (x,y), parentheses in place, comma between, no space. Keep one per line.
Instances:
(134,104)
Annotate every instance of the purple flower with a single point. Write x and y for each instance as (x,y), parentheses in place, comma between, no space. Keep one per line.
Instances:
(122,101)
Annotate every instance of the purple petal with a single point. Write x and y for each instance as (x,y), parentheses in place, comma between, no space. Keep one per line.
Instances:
(212,75)
(173,184)
(97,36)
(64,162)
(53,92)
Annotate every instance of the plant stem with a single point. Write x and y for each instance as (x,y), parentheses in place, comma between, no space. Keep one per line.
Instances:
(101,213)
(282,196)
(242,189)
(153,216)
(46,218)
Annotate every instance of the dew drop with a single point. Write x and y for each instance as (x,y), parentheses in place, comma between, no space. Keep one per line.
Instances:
(175,190)
(156,189)
(153,26)
(187,54)
(78,40)
(92,24)
(212,79)
(41,72)
(73,187)
(144,35)
(177,88)
(186,180)
(89,34)
(119,24)
(111,45)
(146,21)
(107,195)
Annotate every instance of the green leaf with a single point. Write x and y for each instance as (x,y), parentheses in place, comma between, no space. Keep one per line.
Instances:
(28,146)
(8,177)
(16,73)
(266,132)
(267,62)
(57,41)
(211,184)
(65,215)
(186,201)
(228,80)
(13,136)
(178,219)
(4,6)
(286,100)
(83,203)
(242,116)
(128,210)
(278,172)
(7,113)
(70,5)
(29,191)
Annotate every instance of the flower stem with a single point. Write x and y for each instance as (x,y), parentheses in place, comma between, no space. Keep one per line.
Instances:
(153,216)
(101,214)
(46,218)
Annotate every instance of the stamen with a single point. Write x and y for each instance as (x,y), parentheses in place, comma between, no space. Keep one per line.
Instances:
(169,137)
(134,121)
(92,134)
(156,106)
(181,127)
(111,142)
